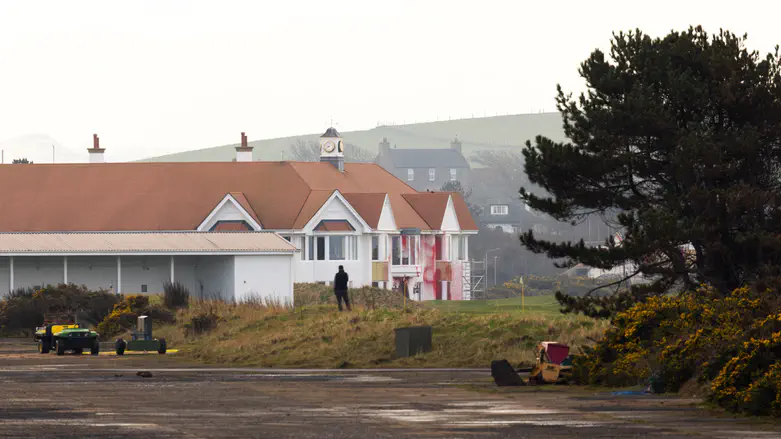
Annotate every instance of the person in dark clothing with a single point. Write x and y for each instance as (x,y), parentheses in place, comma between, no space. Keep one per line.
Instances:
(340,288)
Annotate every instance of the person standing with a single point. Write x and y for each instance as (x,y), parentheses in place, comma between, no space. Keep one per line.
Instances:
(341,281)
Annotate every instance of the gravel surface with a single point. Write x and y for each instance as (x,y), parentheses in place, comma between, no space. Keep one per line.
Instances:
(46,396)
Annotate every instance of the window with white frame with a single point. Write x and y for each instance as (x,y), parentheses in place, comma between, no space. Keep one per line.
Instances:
(500,209)
(410,174)
(375,248)
(339,248)
(453,175)
(432,174)
(461,243)
(404,250)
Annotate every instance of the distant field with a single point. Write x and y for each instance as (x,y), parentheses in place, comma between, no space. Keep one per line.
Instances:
(534,305)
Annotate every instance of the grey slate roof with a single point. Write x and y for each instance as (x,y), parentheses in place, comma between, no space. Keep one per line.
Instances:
(331,132)
(427,158)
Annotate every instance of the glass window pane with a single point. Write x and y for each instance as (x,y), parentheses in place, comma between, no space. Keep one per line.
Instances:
(336,248)
(396,250)
(405,250)
(321,248)
(413,250)
(311,250)
(355,248)
(375,248)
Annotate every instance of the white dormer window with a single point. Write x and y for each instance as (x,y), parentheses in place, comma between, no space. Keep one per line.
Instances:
(453,175)
(410,174)
(432,174)
(500,209)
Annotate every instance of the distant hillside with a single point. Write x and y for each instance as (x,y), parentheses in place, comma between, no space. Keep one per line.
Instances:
(500,132)
(38,149)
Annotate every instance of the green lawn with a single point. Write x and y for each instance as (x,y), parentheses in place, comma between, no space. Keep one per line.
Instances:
(534,305)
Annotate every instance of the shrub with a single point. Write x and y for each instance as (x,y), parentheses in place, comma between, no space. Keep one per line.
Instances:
(175,295)
(25,308)
(734,342)
(201,323)
(125,314)
(308,294)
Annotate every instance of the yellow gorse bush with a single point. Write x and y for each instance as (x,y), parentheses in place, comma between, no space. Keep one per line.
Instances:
(734,342)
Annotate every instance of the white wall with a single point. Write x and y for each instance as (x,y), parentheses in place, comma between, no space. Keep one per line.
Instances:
(267,277)
(214,277)
(227,212)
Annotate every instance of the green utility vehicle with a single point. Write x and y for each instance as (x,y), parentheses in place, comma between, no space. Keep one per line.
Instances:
(141,339)
(73,337)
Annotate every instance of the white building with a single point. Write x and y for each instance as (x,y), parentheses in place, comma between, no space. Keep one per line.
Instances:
(95,223)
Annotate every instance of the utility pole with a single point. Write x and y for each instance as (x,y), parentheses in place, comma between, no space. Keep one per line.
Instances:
(495,258)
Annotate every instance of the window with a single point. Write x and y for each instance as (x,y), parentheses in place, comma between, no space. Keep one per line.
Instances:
(353,254)
(499,209)
(410,174)
(461,242)
(438,247)
(310,248)
(432,174)
(321,248)
(288,238)
(453,175)
(375,248)
(144,288)
(336,248)
(405,250)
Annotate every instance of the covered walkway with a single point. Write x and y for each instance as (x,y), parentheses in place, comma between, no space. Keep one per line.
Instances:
(229,265)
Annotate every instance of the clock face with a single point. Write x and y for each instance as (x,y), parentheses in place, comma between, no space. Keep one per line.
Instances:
(329,146)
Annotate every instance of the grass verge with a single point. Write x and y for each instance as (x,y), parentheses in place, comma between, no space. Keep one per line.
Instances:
(319,336)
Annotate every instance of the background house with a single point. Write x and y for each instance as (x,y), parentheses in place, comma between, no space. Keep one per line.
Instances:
(425,169)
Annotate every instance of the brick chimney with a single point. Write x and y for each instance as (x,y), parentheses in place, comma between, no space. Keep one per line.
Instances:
(96,152)
(244,152)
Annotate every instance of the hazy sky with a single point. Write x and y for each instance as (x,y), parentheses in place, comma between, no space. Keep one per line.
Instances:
(154,77)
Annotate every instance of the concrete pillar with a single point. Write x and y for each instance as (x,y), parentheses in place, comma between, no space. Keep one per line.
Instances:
(172,269)
(11,274)
(65,270)
(119,274)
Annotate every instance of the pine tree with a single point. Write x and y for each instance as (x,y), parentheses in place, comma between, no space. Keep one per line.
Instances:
(678,139)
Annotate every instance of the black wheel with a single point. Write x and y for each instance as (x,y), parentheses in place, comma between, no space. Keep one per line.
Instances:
(60,347)
(95,347)
(162,348)
(78,351)
(43,348)
(120,346)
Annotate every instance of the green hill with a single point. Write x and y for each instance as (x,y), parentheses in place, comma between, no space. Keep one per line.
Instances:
(499,132)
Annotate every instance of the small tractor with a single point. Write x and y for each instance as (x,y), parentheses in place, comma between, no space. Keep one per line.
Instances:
(141,339)
(553,366)
(70,336)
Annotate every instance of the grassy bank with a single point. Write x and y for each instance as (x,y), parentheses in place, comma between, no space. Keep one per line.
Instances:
(466,334)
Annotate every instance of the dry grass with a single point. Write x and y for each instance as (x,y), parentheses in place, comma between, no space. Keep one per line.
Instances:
(318,336)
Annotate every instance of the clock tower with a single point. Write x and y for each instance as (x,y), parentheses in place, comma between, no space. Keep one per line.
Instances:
(332,149)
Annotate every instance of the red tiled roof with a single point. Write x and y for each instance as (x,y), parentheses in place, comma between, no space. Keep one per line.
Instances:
(178,196)
(244,203)
(334,226)
(368,206)
(430,206)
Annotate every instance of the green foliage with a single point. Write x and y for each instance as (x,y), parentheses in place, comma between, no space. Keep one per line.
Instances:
(175,295)
(733,342)
(678,140)
(25,308)
(124,315)
(21,161)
